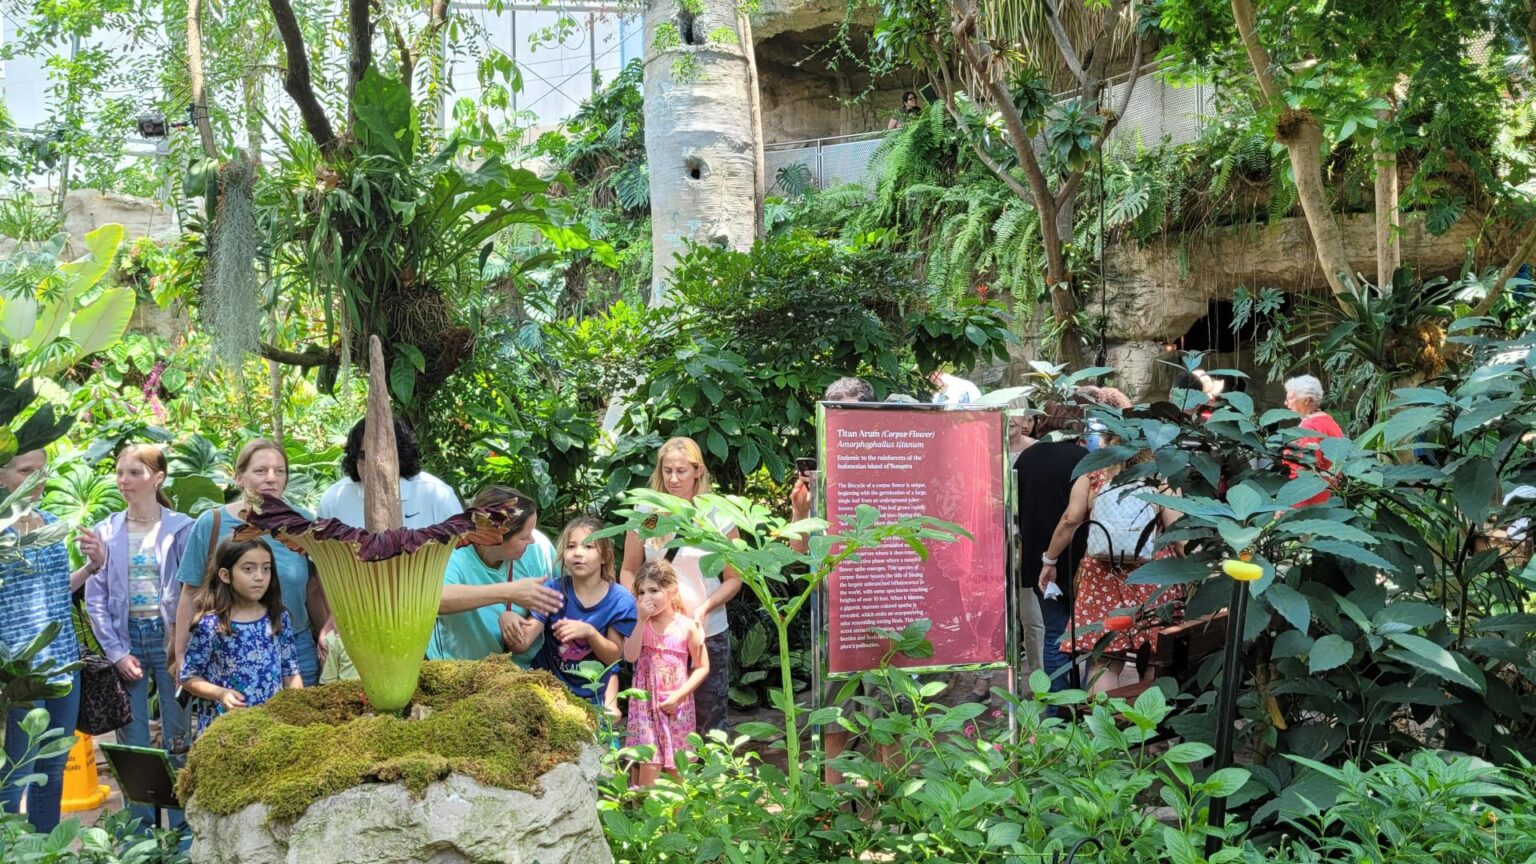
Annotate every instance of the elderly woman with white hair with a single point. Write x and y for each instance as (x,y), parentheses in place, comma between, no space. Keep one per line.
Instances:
(1303,395)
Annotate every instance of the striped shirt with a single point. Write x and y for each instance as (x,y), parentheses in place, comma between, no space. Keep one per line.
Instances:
(34,592)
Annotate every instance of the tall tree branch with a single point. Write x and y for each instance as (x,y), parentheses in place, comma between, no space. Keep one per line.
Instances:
(946,90)
(360,51)
(1246,18)
(1110,122)
(297,80)
(199,78)
(407,56)
(1064,43)
(313,355)
(1302,136)
(1101,53)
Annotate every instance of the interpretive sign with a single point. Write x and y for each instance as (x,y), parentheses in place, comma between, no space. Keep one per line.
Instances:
(949,463)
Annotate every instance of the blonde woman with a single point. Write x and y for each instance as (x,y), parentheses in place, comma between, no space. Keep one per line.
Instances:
(261,469)
(680,472)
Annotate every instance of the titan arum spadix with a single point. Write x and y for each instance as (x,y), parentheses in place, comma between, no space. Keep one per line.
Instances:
(383,581)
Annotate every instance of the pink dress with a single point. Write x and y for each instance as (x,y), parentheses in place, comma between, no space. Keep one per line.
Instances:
(661,669)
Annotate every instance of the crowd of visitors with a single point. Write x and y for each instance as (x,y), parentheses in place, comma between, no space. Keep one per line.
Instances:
(215,625)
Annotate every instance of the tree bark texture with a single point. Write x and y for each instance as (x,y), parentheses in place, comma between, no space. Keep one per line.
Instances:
(1302,136)
(1389,254)
(199,78)
(297,81)
(699,134)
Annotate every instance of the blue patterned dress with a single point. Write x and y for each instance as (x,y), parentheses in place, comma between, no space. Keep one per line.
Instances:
(250,659)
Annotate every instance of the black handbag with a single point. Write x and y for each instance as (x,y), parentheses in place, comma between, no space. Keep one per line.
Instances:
(104,705)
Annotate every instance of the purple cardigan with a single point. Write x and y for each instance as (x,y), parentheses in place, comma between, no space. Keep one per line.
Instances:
(106,591)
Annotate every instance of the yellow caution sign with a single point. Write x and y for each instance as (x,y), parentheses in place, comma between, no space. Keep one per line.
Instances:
(83,790)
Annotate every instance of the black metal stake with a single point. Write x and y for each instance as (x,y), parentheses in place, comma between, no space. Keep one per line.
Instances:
(1226,717)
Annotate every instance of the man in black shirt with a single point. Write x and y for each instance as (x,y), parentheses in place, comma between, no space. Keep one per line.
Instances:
(1044,485)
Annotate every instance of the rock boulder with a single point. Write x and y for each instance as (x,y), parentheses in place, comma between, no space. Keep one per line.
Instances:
(456,821)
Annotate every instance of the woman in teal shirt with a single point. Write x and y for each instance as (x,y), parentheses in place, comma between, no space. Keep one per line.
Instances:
(261,469)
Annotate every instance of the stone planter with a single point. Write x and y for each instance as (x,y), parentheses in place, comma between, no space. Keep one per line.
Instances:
(494,764)
(456,820)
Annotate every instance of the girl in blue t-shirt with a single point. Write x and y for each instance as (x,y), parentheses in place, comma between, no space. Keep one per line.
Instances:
(241,653)
(598,615)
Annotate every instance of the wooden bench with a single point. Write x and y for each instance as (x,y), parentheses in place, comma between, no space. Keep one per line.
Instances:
(1180,650)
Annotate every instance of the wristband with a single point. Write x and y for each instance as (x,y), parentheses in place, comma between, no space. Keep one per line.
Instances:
(1047,560)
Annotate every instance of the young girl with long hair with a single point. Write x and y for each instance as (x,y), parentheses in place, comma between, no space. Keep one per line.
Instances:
(661,654)
(597,615)
(680,472)
(240,653)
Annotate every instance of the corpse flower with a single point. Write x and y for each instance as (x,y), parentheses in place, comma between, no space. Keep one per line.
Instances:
(383,587)
(383,581)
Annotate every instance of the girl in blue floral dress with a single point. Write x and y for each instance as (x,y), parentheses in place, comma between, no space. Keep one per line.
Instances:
(241,652)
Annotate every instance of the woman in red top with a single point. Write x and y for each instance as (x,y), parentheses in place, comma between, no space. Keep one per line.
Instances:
(1302,395)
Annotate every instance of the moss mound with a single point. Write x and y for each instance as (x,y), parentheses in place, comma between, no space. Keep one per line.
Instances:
(488,719)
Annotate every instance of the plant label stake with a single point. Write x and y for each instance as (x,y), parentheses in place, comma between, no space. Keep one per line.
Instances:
(1242,573)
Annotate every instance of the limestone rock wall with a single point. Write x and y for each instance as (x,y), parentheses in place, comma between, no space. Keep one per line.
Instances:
(1156,291)
(805,94)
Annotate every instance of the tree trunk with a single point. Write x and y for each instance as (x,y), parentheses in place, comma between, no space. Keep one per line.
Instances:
(699,134)
(1389,253)
(199,79)
(1302,136)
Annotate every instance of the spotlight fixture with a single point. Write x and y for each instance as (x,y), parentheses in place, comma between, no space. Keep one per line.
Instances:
(154,126)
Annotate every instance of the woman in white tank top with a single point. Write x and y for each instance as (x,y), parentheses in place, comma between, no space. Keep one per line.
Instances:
(680,472)
(1119,541)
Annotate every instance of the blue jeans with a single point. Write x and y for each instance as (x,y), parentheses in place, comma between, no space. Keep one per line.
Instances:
(42,800)
(1055,614)
(146,641)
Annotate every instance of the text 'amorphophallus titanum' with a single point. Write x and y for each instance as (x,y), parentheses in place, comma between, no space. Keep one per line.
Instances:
(383,581)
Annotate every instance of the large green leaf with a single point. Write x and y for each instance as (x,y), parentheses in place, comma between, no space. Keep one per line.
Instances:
(384,120)
(1291,604)
(1329,652)
(1426,655)
(18,316)
(78,277)
(102,322)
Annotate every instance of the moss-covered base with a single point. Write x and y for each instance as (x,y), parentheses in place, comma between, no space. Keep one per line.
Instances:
(490,720)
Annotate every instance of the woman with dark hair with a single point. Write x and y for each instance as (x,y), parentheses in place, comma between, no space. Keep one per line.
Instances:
(909,107)
(424,500)
(1117,543)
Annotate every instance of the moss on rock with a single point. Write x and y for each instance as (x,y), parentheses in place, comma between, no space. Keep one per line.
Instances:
(489,720)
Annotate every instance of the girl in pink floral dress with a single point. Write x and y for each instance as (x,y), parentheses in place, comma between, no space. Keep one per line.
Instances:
(661,650)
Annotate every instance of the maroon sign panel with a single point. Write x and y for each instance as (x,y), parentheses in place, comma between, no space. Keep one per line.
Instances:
(904,462)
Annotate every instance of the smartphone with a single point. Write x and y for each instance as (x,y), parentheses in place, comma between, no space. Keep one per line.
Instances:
(805,465)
